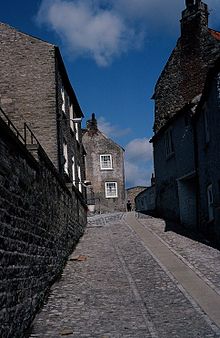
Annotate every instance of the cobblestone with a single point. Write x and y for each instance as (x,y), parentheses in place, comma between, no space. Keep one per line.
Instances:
(118,290)
(202,258)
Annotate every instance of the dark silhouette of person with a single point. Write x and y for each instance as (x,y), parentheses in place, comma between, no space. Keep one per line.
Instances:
(129,205)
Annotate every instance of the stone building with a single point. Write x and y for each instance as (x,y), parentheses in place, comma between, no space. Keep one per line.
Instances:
(145,201)
(35,89)
(105,170)
(42,199)
(207,131)
(176,96)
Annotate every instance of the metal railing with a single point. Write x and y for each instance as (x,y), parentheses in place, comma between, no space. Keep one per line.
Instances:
(28,136)
(11,125)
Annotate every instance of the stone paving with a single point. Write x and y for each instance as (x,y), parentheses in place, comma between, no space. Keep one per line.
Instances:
(203,259)
(112,287)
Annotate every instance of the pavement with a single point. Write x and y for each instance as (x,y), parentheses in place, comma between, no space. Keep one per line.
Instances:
(132,276)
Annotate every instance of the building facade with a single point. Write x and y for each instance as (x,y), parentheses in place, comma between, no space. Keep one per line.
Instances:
(35,89)
(145,201)
(177,94)
(207,129)
(105,170)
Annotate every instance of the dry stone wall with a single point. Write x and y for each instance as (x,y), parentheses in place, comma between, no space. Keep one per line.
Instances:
(40,223)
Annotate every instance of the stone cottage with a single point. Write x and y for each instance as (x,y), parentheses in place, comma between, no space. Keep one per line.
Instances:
(176,96)
(35,89)
(105,170)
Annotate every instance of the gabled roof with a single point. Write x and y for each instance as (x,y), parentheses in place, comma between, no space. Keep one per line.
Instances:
(26,34)
(110,140)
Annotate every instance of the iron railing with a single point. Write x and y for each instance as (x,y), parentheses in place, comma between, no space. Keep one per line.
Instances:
(11,125)
(28,136)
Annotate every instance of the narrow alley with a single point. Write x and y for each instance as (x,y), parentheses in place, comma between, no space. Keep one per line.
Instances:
(130,278)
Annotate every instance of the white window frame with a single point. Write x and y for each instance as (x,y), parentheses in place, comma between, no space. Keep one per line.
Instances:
(169,143)
(65,155)
(63,99)
(102,166)
(71,118)
(73,170)
(77,130)
(108,192)
(79,178)
(210,202)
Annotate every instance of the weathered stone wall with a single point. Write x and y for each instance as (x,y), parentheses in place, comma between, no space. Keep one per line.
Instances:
(97,144)
(31,76)
(209,160)
(40,222)
(132,193)
(28,85)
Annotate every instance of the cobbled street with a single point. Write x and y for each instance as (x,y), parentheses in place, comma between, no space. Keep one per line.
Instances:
(124,280)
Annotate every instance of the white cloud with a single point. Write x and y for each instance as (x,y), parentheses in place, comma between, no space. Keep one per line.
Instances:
(110,129)
(138,162)
(105,29)
(89,29)
(139,148)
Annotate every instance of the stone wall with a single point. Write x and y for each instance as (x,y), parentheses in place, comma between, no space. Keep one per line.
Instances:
(132,193)
(28,85)
(97,144)
(40,223)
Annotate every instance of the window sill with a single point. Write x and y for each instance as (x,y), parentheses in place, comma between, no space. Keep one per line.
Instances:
(108,169)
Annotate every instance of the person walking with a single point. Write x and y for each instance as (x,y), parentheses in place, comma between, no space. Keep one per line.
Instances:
(129,205)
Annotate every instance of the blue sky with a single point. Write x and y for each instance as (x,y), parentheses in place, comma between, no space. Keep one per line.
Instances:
(114,51)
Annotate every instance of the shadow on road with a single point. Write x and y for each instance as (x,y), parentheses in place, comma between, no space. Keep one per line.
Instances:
(182,230)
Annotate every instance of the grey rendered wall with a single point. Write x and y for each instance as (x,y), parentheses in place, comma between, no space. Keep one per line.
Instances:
(169,169)
(209,159)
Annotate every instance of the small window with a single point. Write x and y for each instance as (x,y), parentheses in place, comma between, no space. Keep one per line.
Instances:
(73,170)
(65,155)
(77,130)
(169,143)
(210,202)
(79,178)
(111,189)
(71,118)
(63,99)
(106,162)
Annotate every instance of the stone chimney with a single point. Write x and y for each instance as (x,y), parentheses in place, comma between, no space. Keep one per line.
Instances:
(91,125)
(194,19)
